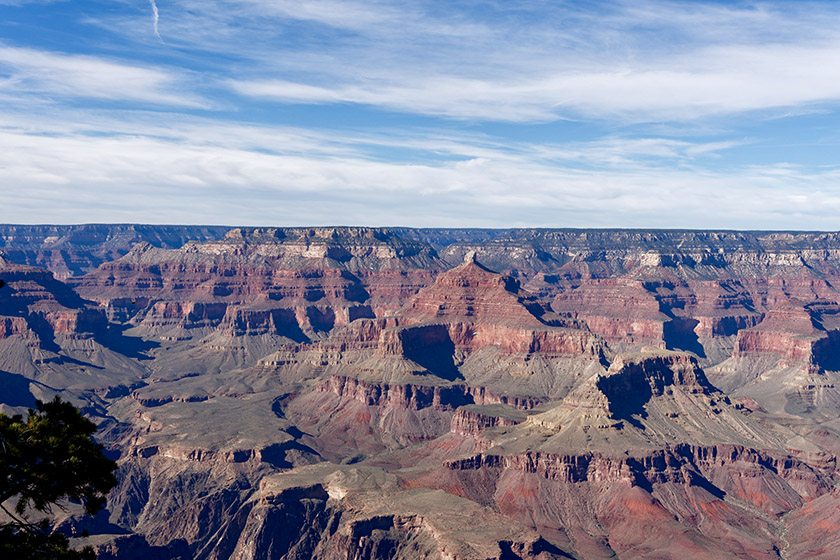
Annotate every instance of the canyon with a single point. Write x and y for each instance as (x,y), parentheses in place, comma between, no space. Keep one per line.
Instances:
(353,392)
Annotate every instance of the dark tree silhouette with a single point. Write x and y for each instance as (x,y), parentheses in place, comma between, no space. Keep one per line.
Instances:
(45,459)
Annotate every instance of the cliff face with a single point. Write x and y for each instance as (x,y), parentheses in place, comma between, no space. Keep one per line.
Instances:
(76,249)
(373,392)
(32,297)
(634,504)
(335,513)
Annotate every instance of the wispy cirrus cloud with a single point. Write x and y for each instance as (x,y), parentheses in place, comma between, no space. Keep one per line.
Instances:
(650,113)
(194,170)
(626,62)
(59,75)
(719,81)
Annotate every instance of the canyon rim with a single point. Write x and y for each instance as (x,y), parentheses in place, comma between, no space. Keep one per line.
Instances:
(347,392)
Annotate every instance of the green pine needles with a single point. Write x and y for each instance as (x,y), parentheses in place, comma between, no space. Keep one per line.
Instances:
(45,459)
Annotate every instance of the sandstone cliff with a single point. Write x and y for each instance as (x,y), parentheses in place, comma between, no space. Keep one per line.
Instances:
(397,393)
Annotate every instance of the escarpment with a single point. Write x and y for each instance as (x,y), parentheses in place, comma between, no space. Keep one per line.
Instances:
(448,397)
(33,297)
(333,392)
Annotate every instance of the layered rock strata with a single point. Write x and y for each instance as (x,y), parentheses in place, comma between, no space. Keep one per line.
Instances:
(319,392)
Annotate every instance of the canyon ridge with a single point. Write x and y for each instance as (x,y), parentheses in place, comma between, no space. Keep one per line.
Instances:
(371,393)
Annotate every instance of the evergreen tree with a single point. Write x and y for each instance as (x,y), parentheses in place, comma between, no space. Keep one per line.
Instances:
(47,458)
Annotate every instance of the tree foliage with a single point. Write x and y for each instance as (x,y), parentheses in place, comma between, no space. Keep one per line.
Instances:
(45,459)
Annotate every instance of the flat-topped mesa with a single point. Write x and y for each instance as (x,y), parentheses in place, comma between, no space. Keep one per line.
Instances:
(658,308)
(721,308)
(627,387)
(803,337)
(351,248)
(646,401)
(356,248)
(620,310)
(652,374)
(73,250)
(471,420)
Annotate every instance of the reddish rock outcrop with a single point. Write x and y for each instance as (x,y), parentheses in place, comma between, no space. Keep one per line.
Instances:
(416,397)
(12,325)
(471,306)
(318,392)
(793,334)
(618,310)
(33,301)
(701,492)
(471,421)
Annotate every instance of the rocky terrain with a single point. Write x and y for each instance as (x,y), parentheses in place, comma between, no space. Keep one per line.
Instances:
(341,393)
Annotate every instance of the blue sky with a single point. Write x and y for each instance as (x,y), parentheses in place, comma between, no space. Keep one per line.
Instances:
(454,114)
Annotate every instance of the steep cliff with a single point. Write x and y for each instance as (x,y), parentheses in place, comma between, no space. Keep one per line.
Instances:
(372,393)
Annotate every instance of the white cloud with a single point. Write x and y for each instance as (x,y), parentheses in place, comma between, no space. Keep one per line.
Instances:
(282,176)
(335,13)
(59,75)
(688,67)
(642,61)
(714,81)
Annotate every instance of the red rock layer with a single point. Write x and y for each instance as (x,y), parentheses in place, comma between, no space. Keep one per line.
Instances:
(470,306)
(33,301)
(470,337)
(416,397)
(791,333)
(680,464)
(470,423)
(668,502)
(616,309)
(471,292)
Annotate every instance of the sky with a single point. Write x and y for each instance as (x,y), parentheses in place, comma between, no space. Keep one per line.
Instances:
(621,114)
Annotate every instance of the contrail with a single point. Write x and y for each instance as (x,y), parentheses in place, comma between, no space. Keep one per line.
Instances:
(156,17)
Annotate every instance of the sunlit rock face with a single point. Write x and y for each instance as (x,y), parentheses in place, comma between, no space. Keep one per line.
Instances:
(394,393)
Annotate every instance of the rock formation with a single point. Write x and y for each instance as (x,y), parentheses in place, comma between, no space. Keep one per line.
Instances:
(395,393)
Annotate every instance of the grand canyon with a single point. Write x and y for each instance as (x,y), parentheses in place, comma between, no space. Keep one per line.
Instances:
(371,393)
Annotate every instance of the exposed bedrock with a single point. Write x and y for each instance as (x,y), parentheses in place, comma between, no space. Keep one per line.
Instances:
(681,463)
(343,516)
(33,300)
(797,336)
(683,501)
(303,524)
(669,312)
(72,250)
(408,340)
(472,293)
(13,325)
(383,393)
(472,420)
(470,307)
(416,397)
(648,376)
(249,264)
(255,321)
(187,314)
(616,309)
